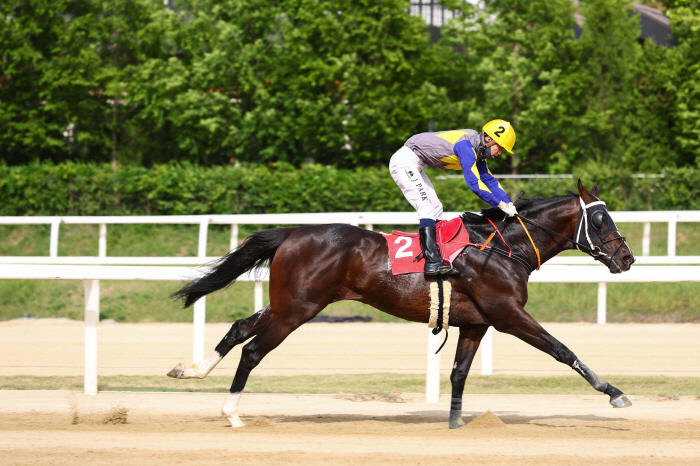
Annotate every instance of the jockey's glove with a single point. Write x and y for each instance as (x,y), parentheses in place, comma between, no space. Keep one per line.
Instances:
(509,208)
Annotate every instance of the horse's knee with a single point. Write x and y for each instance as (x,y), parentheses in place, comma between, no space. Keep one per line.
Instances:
(562,354)
(458,375)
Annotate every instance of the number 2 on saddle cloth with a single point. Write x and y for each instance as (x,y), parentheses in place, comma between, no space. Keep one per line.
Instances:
(451,237)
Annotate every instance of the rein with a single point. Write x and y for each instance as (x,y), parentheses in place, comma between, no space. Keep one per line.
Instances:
(537,251)
(582,225)
(509,254)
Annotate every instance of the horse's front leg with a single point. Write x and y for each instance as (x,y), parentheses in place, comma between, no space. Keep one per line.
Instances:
(520,324)
(469,339)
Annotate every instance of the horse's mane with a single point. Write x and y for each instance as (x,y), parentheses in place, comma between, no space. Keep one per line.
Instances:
(524,206)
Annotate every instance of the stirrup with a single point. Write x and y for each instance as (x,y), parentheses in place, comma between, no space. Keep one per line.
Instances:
(438,268)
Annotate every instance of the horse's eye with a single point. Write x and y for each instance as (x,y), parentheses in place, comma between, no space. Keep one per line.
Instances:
(597,219)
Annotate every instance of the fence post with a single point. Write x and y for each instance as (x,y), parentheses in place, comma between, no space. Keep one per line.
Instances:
(487,352)
(602,302)
(369,227)
(103,241)
(92,315)
(202,244)
(200,313)
(53,242)
(234,237)
(432,373)
(672,235)
(646,238)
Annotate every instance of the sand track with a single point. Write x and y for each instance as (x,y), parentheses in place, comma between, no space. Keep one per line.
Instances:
(36,427)
(66,428)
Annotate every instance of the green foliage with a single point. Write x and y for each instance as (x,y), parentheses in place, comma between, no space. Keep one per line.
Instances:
(184,189)
(685,77)
(341,82)
(510,63)
(65,77)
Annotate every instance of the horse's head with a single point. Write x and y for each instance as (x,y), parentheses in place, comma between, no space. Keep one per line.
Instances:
(595,228)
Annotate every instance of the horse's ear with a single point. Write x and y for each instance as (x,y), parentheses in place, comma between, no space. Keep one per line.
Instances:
(581,190)
(596,190)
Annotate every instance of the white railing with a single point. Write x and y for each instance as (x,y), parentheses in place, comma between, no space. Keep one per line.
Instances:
(368,219)
(92,269)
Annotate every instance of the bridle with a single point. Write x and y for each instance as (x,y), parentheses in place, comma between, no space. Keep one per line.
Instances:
(583,230)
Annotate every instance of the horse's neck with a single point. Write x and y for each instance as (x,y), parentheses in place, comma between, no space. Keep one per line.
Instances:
(559,217)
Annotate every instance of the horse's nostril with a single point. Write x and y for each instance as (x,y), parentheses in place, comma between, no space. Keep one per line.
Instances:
(627,258)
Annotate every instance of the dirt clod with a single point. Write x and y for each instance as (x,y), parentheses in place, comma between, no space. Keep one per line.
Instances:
(115,416)
(488,420)
(258,422)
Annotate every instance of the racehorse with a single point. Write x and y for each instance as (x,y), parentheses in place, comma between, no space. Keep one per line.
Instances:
(313,266)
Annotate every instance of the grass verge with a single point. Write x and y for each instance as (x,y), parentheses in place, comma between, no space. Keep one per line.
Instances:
(367,383)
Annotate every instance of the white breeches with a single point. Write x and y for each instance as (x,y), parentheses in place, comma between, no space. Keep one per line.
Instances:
(407,171)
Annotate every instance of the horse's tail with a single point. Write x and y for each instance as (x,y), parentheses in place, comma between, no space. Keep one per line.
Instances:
(257,250)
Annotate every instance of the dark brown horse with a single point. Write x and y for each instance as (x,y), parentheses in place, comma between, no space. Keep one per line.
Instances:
(313,266)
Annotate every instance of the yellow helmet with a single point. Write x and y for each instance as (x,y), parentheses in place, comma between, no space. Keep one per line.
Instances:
(502,132)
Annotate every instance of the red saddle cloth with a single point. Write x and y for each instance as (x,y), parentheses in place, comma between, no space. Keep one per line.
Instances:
(451,237)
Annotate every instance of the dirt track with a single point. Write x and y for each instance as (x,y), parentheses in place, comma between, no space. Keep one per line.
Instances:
(37,427)
(164,429)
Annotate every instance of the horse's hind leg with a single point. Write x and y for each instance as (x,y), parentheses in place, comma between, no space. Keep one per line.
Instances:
(279,327)
(520,324)
(240,331)
(469,339)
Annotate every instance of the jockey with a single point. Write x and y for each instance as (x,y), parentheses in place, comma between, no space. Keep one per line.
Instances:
(463,149)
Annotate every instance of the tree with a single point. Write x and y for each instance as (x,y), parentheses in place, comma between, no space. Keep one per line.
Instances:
(511,58)
(65,77)
(31,122)
(685,79)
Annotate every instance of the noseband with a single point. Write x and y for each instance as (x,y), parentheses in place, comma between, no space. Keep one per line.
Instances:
(592,214)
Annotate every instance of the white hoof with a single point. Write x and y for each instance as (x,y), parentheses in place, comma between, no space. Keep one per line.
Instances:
(177,372)
(236,421)
(197,371)
(230,409)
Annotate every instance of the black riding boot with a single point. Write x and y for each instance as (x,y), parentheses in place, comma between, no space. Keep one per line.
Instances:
(433,263)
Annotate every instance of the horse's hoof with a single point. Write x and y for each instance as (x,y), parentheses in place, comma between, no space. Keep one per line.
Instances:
(456,425)
(177,371)
(235,421)
(620,402)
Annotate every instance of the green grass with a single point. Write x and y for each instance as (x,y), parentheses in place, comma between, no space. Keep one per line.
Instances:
(148,301)
(367,383)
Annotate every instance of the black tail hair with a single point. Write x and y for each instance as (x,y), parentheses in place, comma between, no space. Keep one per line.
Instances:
(257,250)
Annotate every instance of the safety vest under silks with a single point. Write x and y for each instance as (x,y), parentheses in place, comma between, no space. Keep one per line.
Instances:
(456,150)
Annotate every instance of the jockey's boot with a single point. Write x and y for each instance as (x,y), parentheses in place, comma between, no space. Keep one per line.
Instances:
(433,262)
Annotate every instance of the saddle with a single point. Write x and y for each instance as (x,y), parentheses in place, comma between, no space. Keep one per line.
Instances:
(405,250)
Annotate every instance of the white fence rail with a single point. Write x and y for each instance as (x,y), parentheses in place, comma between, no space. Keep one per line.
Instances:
(92,269)
(368,219)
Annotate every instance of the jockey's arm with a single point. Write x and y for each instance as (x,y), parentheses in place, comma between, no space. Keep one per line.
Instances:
(492,182)
(475,178)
